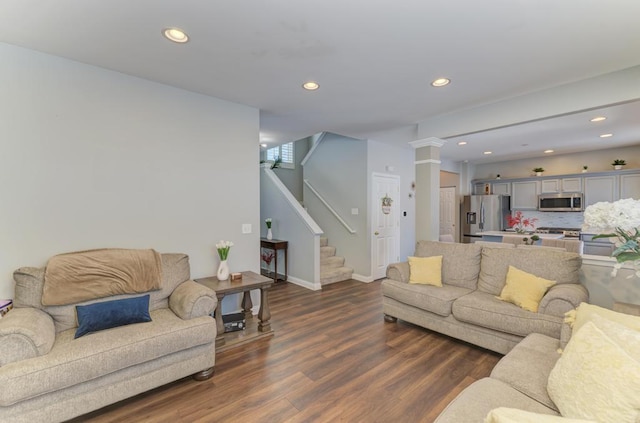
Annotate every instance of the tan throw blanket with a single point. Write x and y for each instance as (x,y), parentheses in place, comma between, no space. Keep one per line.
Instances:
(86,275)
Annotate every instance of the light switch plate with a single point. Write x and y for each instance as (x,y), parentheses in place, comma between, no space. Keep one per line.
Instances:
(355,211)
(246,228)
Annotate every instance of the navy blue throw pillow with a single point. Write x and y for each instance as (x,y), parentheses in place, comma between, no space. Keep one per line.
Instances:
(111,314)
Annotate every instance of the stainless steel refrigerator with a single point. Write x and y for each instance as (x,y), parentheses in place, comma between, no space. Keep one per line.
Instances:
(482,213)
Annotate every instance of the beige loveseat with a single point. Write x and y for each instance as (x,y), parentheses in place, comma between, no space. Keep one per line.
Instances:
(48,376)
(466,307)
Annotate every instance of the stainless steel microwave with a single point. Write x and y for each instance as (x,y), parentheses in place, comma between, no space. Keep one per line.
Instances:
(561,202)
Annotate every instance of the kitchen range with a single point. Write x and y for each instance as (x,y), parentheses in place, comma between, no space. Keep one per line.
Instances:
(569,233)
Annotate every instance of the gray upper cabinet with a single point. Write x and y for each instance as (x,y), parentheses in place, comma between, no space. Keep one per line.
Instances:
(630,186)
(501,188)
(550,186)
(553,186)
(599,188)
(571,184)
(524,195)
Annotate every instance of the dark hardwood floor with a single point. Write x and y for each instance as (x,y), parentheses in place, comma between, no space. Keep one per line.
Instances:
(332,358)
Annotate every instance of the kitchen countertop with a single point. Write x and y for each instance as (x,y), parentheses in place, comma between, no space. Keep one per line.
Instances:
(503,233)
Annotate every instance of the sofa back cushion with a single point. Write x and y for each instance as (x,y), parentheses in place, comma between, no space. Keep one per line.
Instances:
(557,266)
(460,262)
(30,282)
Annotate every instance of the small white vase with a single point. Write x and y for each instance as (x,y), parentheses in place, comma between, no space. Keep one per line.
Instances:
(269,233)
(223,271)
(617,167)
(538,173)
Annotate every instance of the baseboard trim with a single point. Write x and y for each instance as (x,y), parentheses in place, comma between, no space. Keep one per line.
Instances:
(362,278)
(305,284)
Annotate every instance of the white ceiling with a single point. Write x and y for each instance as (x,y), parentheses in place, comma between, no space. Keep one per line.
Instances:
(374,60)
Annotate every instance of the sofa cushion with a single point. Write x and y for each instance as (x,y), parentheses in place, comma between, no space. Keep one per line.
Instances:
(426,270)
(486,310)
(524,289)
(552,265)
(73,361)
(111,314)
(435,299)
(598,375)
(460,262)
(527,366)
(30,281)
(475,402)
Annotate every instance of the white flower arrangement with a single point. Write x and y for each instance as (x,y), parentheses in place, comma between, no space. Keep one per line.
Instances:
(268,222)
(223,248)
(619,220)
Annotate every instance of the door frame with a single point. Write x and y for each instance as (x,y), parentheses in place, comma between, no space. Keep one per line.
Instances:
(373,209)
(454,218)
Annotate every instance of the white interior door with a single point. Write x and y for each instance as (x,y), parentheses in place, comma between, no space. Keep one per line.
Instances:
(385,224)
(448,211)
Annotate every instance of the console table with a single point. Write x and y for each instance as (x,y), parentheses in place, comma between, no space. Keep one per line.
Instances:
(275,245)
(252,330)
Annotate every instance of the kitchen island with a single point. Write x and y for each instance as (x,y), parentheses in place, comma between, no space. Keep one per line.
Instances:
(496,236)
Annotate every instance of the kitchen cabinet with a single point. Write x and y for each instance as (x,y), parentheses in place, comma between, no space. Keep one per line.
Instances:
(571,184)
(553,186)
(630,186)
(501,188)
(478,189)
(524,195)
(600,188)
(597,247)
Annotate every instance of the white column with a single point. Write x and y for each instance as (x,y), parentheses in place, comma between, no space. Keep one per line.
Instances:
(427,188)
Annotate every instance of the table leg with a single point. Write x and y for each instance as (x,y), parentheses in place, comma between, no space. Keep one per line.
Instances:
(275,268)
(247,305)
(264,315)
(286,264)
(219,323)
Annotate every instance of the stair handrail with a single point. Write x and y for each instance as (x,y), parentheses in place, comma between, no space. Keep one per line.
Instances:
(316,143)
(308,220)
(328,206)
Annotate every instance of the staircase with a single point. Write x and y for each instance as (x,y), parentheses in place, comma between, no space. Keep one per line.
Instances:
(332,267)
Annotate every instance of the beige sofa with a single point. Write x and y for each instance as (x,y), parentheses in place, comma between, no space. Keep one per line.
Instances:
(47,375)
(465,307)
(519,380)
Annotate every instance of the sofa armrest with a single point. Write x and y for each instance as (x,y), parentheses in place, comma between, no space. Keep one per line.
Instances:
(25,333)
(562,298)
(398,271)
(191,299)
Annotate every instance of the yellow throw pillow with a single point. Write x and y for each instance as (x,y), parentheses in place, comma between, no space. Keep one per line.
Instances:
(524,289)
(426,270)
(596,378)
(583,314)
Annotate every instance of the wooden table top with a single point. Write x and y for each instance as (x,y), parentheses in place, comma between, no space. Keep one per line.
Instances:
(249,281)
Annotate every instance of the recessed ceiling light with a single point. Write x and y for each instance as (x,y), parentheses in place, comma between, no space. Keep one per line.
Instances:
(441,82)
(487,152)
(462,143)
(548,151)
(597,119)
(606,135)
(310,86)
(263,145)
(176,35)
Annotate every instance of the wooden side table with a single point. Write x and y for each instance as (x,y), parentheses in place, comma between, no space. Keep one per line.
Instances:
(252,331)
(275,245)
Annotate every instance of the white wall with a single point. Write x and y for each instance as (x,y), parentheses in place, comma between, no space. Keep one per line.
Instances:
(381,155)
(337,169)
(91,158)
